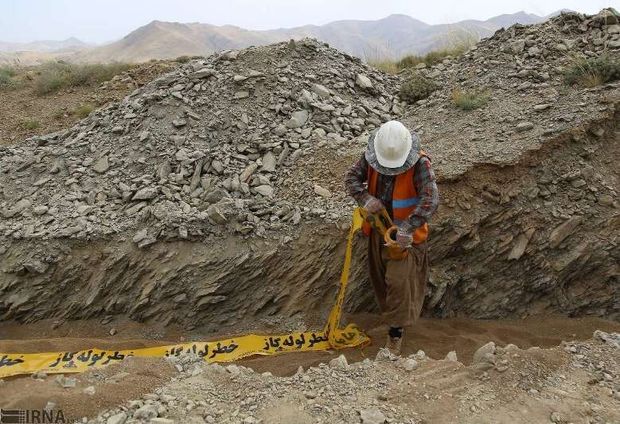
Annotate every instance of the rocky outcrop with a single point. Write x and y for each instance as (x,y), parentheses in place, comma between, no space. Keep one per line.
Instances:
(215,192)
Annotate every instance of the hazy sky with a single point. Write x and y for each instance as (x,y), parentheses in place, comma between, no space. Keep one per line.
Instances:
(106,20)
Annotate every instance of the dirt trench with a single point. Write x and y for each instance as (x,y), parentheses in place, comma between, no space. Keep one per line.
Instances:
(537,236)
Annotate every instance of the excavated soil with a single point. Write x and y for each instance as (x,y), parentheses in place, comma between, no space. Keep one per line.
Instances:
(136,377)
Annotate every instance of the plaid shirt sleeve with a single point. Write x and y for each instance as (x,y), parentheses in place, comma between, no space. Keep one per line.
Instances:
(426,186)
(355,180)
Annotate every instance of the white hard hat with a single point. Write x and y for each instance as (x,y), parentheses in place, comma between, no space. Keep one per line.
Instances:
(392,144)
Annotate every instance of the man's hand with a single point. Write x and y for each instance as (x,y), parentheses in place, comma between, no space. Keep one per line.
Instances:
(373,205)
(404,238)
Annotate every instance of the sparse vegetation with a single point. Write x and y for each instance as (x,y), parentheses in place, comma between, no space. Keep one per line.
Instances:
(84,110)
(7,74)
(386,65)
(593,71)
(29,124)
(417,87)
(433,57)
(469,99)
(54,76)
(453,49)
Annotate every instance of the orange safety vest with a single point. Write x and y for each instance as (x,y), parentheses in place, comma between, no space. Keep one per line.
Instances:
(404,200)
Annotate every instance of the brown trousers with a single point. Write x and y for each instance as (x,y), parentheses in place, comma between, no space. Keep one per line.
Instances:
(400,285)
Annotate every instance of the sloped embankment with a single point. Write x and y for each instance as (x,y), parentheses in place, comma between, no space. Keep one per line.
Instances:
(214,194)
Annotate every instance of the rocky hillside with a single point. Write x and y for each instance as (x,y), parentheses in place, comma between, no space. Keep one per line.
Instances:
(227,173)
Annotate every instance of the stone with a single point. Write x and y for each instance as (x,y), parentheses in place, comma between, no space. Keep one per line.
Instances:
(204,73)
(298,119)
(340,363)
(216,214)
(323,192)
(248,172)
(520,244)
(119,418)
(485,353)
(242,95)
(265,190)
(39,375)
(555,417)
(562,231)
(179,123)
(541,107)
(217,166)
(144,135)
(101,165)
(321,91)
(66,382)
(410,364)
(533,51)
(146,193)
(451,356)
(40,210)
(35,266)
(140,235)
(280,130)
(269,162)
(372,416)
(524,126)
(578,183)
(517,46)
(363,81)
(146,412)
(160,420)
(90,390)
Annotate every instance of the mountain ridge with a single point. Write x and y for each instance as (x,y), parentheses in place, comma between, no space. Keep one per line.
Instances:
(390,37)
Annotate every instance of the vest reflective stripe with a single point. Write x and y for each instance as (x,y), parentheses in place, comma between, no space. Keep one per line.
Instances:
(405,203)
(404,200)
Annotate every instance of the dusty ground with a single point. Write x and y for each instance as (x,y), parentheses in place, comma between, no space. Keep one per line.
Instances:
(537,382)
(23,113)
(114,387)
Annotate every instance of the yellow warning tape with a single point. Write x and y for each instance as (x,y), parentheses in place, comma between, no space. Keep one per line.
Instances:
(331,337)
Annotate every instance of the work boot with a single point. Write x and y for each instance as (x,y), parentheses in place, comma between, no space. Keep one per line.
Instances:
(394,344)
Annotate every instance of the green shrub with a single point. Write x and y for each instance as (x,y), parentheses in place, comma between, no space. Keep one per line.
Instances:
(51,78)
(29,124)
(84,110)
(54,76)
(593,71)
(416,87)
(6,76)
(469,99)
(436,56)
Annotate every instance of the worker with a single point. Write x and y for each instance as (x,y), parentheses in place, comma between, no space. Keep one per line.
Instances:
(393,173)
